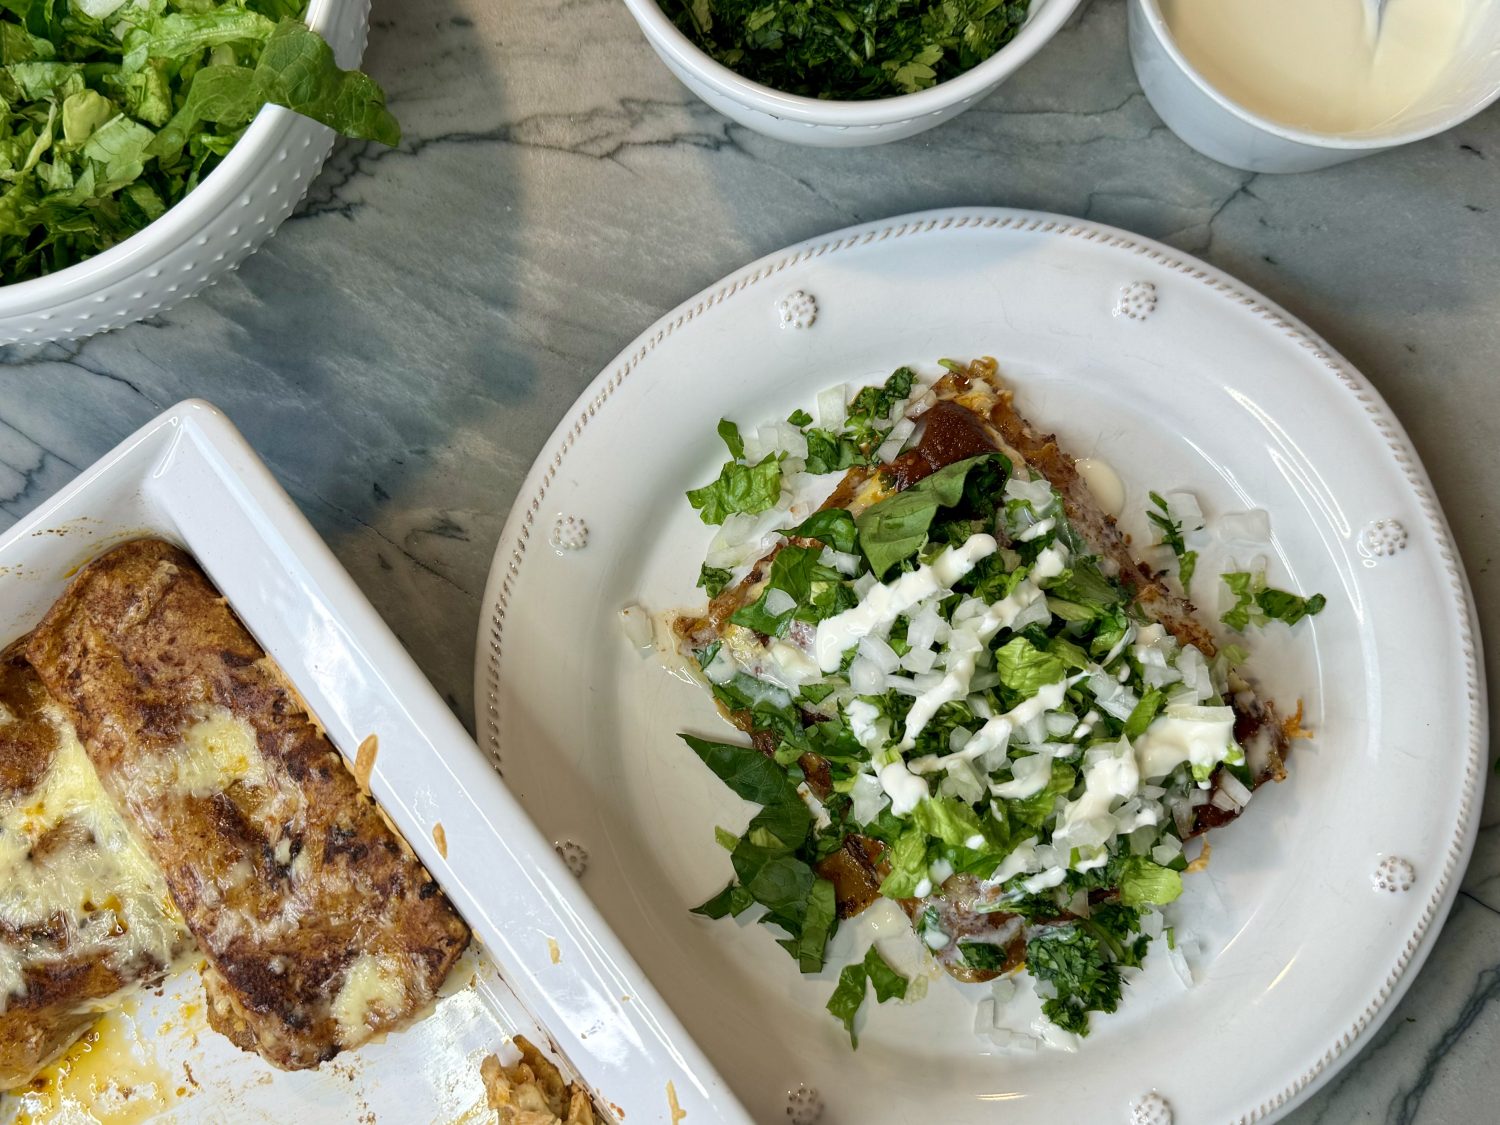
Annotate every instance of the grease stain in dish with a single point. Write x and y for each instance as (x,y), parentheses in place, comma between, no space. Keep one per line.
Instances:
(676,1110)
(440,839)
(106,1078)
(364,761)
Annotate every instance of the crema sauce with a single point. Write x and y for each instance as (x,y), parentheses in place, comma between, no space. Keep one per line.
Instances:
(1320,65)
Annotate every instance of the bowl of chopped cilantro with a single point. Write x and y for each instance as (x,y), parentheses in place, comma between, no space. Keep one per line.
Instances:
(148,146)
(822,73)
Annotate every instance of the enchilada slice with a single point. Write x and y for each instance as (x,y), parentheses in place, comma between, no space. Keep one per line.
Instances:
(994,715)
(319,926)
(84,916)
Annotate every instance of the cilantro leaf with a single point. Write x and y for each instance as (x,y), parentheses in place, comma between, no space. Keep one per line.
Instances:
(829,453)
(982,955)
(740,488)
(800,419)
(796,573)
(1256,603)
(713,579)
(1171,532)
(1077,965)
(1282,606)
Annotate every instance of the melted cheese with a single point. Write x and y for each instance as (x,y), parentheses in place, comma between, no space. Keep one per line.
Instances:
(216,752)
(101,881)
(373,988)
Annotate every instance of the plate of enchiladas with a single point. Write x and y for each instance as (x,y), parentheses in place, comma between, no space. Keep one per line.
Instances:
(252,865)
(988,657)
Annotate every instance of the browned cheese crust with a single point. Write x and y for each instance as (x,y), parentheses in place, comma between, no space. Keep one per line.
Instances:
(319,926)
(70,962)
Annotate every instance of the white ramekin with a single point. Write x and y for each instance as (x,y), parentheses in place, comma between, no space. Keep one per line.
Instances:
(208,233)
(840,124)
(1227,132)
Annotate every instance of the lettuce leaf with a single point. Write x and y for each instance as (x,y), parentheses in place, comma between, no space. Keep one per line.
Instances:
(896,528)
(107,119)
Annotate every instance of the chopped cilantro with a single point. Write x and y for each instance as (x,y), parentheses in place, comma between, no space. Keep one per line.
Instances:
(873,50)
(1256,603)
(1171,536)
(713,579)
(800,419)
(982,955)
(1077,964)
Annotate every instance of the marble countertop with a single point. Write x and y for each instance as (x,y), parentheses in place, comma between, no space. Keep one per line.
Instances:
(401,348)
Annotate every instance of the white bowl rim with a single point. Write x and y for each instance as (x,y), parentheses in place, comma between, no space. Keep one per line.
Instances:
(1037,30)
(181,219)
(1390,138)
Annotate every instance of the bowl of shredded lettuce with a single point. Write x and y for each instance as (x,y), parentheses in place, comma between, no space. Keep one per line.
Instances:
(148,146)
(845,75)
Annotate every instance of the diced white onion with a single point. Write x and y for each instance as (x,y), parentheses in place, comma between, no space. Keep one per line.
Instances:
(637,625)
(1151,923)
(1197,798)
(984,1017)
(844,562)
(831,412)
(902,430)
(879,653)
(905,685)
(1253,526)
(1113,697)
(1166,851)
(1236,790)
(1183,506)
(1182,813)
(1222,800)
(779,602)
(865,677)
(922,403)
(919,660)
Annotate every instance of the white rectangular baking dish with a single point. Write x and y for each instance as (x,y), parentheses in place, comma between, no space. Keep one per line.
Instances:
(547,959)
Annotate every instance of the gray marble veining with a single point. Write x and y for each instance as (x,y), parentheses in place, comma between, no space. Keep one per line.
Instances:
(400,350)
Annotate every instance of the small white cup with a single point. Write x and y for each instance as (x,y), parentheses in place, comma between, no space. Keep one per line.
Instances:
(1227,132)
(841,124)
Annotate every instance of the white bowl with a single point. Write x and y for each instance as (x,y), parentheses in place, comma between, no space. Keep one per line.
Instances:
(207,233)
(1227,132)
(841,124)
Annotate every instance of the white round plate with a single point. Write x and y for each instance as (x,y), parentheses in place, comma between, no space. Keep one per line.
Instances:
(1319,903)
